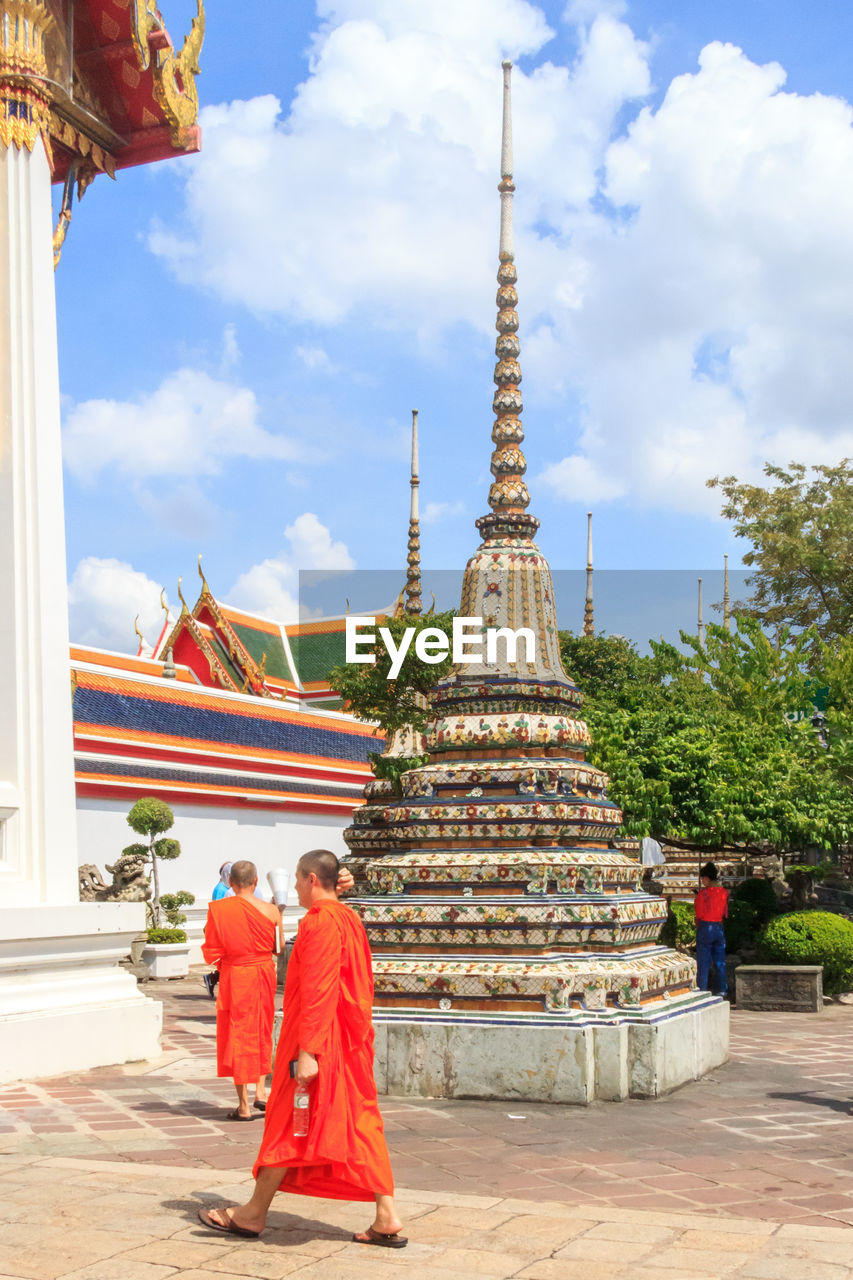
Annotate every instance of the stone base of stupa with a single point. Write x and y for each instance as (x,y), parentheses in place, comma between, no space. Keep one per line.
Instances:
(576,1057)
(65,1003)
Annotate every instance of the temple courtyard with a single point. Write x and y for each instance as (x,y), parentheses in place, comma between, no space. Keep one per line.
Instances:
(748,1172)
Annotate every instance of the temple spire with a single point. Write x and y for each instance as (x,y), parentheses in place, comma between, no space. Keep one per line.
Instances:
(508,495)
(727,608)
(588,620)
(700,623)
(413,560)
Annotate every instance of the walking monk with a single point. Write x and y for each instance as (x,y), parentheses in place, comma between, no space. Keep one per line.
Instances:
(328,1034)
(240,938)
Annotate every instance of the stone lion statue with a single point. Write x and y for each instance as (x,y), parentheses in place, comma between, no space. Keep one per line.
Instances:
(129,881)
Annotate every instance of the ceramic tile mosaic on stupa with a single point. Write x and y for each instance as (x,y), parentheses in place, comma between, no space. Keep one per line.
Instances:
(495,884)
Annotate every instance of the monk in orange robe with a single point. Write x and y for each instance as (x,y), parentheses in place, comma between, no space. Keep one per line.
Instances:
(328,1035)
(240,938)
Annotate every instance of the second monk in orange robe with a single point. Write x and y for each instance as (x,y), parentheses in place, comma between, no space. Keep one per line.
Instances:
(240,939)
(327,1030)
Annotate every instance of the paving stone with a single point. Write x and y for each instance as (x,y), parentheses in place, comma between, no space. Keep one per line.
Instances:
(43,1252)
(727,1242)
(462,1216)
(261,1264)
(307,1243)
(778,1267)
(566,1269)
(597,1250)
(388,1265)
(174,1253)
(798,1231)
(830,1250)
(544,1231)
(686,1262)
(478,1262)
(638,1231)
(121,1269)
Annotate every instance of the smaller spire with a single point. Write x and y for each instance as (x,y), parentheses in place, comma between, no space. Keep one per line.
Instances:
(588,619)
(700,623)
(727,608)
(413,560)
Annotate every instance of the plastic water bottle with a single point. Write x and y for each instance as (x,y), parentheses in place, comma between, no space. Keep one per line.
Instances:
(300,1111)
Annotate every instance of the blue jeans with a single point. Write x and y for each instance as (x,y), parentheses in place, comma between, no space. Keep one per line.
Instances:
(710,950)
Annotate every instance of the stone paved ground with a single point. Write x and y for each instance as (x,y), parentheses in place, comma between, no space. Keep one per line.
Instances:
(746,1173)
(78,1219)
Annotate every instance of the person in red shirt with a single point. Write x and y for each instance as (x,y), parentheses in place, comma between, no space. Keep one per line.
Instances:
(711,907)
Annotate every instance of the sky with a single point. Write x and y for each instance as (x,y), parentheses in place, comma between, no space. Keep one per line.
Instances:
(243,333)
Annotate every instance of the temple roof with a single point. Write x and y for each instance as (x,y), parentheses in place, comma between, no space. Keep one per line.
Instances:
(137,733)
(248,653)
(121,93)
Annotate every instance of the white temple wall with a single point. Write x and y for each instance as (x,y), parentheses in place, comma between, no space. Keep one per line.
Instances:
(209,836)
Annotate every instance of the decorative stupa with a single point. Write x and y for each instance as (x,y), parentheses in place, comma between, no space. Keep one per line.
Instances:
(515,953)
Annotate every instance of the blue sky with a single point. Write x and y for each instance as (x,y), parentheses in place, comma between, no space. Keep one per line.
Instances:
(243,334)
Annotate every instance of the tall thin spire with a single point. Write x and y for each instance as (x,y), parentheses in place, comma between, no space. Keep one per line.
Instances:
(413,560)
(700,622)
(588,620)
(508,495)
(727,607)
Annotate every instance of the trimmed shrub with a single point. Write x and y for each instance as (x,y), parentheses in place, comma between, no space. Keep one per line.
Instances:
(812,937)
(680,928)
(742,926)
(172,903)
(759,895)
(815,873)
(162,936)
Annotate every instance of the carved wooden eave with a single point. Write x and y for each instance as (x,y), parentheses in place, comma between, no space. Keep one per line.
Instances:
(101,82)
(187,624)
(237,651)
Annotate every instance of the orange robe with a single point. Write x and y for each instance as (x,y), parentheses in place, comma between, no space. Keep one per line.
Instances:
(328,1001)
(240,941)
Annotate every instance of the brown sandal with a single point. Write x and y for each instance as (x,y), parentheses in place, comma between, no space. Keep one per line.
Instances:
(231,1229)
(384,1240)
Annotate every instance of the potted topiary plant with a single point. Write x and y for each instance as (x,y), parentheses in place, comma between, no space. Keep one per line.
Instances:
(167,950)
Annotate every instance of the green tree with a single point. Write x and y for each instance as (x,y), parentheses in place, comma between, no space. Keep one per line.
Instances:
(699,750)
(800,527)
(151,817)
(605,668)
(370,694)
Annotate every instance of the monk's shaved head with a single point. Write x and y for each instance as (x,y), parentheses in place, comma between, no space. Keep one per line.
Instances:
(243,874)
(323,863)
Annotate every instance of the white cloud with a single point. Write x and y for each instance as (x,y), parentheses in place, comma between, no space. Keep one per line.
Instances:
(583,11)
(435,512)
(231,353)
(104,597)
(714,328)
(316,359)
(271,588)
(683,281)
(189,426)
(381,179)
(182,510)
(577,479)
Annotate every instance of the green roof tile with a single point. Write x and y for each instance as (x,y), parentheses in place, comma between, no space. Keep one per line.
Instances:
(315,655)
(259,643)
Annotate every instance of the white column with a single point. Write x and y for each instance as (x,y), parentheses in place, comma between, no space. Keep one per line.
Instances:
(38,862)
(65,1004)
